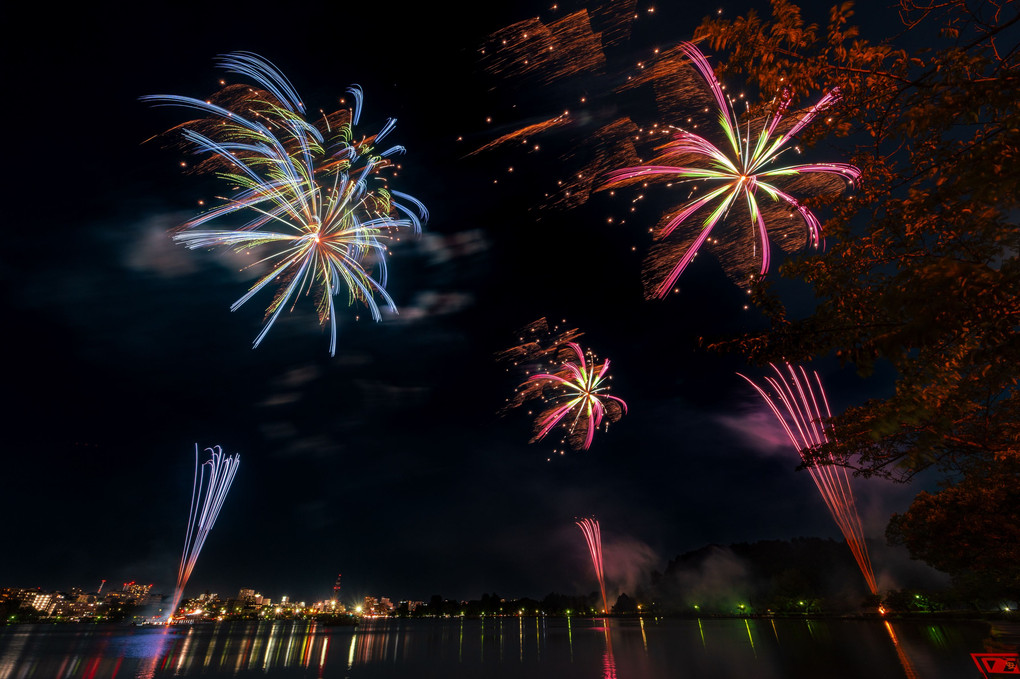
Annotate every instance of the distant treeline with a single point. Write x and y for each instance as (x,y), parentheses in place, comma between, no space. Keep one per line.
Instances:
(780,577)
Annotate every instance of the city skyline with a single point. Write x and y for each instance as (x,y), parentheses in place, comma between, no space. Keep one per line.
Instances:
(806,575)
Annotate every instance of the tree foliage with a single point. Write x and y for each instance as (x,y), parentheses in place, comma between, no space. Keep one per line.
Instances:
(921,267)
(971,530)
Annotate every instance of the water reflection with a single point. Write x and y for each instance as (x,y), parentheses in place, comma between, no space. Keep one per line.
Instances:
(908,667)
(572,648)
(150,648)
(570,638)
(608,662)
(750,638)
(936,635)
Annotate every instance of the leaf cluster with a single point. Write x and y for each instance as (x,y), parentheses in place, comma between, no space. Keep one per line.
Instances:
(982,551)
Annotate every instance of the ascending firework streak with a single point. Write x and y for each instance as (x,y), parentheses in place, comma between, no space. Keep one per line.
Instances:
(208,492)
(803,423)
(590,528)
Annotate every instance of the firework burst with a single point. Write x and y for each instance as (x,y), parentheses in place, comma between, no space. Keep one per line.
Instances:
(578,397)
(209,489)
(799,410)
(729,182)
(319,209)
(574,394)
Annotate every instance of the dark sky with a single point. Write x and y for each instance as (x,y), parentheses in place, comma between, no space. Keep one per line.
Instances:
(388,462)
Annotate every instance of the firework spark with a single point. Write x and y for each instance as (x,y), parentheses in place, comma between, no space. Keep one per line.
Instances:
(593,536)
(209,489)
(556,55)
(729,180)
(537,342)
(317,205)
(802,419)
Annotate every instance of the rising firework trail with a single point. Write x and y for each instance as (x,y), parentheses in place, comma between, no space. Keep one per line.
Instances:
(592,535)
(796,405)
(729,182)
(208,491)
(319,210)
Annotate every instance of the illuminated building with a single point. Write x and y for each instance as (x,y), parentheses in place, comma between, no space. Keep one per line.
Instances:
(138,592)
(40,602)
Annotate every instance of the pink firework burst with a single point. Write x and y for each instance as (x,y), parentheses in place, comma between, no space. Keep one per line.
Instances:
(730,181)
(576,396)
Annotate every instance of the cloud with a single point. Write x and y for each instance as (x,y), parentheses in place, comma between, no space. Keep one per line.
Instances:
(757,427)
(278,430)
(299,376)
(381,395)
(153,251)
(444,248)
(288,387)
(281,399)
(315,446)
(434,303)
(453,262)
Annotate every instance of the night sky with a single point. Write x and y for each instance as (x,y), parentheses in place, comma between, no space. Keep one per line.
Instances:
(388,462)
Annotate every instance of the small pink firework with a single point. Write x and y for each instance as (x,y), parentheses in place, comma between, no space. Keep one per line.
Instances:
(577,397)
(728,182)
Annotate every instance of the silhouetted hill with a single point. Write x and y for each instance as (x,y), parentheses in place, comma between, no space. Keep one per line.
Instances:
(803,574)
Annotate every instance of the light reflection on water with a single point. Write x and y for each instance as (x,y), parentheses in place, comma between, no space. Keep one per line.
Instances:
(645,648)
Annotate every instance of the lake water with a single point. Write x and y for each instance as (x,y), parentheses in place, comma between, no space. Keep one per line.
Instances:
(493,648)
